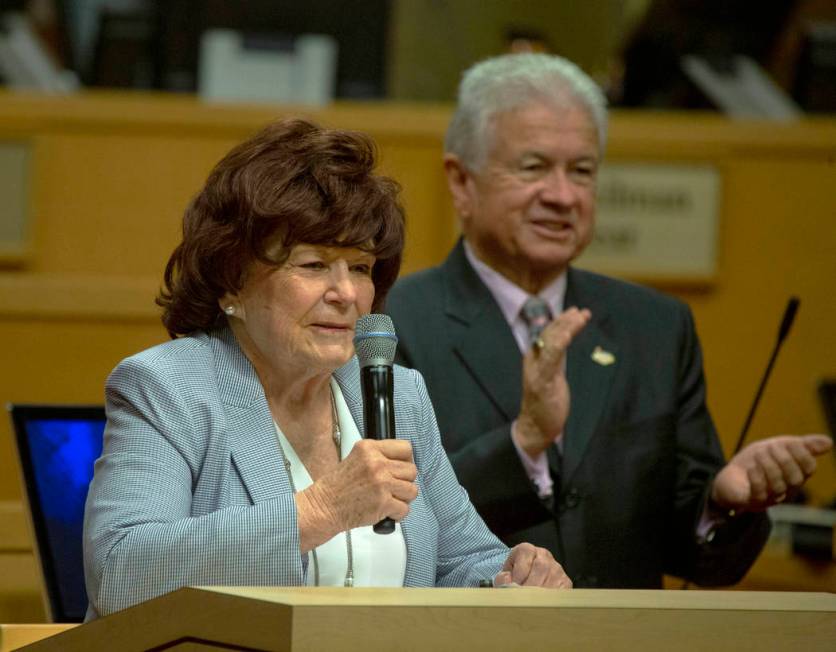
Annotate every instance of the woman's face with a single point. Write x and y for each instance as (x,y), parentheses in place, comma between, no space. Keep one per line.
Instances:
(300,317)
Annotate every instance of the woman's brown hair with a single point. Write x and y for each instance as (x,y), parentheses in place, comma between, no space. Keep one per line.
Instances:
(293,182)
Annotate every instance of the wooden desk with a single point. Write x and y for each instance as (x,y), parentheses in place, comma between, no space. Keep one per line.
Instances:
(307,619)
(21,597)
(13,637)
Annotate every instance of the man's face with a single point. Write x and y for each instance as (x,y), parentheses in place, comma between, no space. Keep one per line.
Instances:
(530,209)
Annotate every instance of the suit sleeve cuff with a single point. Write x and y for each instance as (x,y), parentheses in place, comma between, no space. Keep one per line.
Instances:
(712,518)
(537,468)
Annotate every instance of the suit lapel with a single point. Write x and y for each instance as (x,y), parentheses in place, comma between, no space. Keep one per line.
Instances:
(483,341)
(486,347)
(252,433)
(589,370)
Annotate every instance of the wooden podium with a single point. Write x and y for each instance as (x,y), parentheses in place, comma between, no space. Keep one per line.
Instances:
(307,619)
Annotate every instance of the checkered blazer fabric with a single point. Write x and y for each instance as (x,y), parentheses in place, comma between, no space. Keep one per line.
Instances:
(191,487)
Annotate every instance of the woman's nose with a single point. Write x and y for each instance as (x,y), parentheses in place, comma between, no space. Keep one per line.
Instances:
(342,285)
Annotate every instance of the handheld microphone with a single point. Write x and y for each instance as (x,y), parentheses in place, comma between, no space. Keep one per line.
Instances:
(783,331)
(375,343)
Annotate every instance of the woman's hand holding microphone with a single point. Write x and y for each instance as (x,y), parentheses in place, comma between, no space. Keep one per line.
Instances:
(376,480)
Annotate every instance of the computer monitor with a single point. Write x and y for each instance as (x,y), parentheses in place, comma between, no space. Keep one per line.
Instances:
(57,446)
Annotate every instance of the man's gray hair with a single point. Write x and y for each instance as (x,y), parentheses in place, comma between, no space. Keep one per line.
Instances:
(511,81)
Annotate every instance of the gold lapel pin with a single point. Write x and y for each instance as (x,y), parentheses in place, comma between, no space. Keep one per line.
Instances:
(603,358)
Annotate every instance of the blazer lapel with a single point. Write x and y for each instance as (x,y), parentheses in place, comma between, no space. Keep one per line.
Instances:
(591,366)
(252,434)
(348,378)
(483,341)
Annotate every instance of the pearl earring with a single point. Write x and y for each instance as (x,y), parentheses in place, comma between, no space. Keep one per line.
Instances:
(229,310)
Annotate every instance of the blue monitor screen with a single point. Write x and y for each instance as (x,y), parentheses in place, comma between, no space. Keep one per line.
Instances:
(60,457)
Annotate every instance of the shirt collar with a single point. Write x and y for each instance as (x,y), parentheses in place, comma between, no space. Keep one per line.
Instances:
(509,296)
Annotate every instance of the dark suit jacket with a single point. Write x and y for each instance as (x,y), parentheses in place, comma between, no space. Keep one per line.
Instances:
(640,449)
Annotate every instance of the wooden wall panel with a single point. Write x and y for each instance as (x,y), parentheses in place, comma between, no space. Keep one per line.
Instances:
(21,597)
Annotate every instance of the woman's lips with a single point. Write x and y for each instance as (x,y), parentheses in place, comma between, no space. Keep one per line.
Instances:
(332,328)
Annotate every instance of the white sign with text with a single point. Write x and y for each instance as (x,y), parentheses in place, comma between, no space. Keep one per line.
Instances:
(656,222)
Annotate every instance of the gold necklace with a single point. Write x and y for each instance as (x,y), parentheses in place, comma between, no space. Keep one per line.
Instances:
(336,435)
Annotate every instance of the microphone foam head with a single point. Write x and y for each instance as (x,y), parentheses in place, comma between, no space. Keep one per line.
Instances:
(375,340)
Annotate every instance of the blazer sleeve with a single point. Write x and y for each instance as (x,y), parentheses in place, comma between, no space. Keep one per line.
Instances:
(467,550)
(141,538)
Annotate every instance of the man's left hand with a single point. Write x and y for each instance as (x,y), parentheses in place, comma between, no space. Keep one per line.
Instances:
(768,471)
(528,565)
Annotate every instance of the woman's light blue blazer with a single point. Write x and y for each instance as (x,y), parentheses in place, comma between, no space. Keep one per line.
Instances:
(191,488)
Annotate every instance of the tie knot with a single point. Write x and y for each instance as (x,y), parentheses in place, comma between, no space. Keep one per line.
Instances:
(536,313)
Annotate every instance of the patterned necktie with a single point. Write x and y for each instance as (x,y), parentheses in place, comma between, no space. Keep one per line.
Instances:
(537,315)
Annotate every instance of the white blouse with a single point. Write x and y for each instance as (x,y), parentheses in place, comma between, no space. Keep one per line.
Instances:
(377,559)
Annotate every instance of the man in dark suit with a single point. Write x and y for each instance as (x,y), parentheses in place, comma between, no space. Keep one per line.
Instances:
(630,483)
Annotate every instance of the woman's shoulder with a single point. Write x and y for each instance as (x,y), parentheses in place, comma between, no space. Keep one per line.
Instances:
(408,380)
(184,355)
(411,391)
(173,348)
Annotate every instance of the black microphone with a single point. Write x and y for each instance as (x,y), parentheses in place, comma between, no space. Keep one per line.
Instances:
(783,331)
(375,343)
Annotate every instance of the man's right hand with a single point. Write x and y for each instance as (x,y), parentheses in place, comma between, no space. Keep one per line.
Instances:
(528,565)
(545,396)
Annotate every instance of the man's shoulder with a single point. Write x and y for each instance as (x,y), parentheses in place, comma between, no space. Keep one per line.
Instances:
(621,295)
(422,281)
(413,294)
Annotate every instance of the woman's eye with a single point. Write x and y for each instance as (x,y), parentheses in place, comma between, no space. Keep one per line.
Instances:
(362,268)
(313,264)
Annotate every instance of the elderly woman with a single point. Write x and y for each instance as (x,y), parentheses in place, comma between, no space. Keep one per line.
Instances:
(232,454)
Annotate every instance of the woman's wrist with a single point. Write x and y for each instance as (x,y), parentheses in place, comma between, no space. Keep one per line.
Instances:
(317,522)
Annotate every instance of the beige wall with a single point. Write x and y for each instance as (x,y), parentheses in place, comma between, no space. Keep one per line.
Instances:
(111,175)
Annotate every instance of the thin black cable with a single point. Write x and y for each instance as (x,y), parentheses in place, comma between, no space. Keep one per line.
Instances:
(786,324)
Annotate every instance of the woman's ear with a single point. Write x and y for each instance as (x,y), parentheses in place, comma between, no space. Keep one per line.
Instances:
(231,306)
